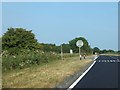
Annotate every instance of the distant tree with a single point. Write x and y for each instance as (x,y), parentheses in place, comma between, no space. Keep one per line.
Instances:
(66,48)
(18,38)
(96,50)
(49,47)
(118,51)
(104,51)
(111,51)
(58,49)
(84,49)
(107,51)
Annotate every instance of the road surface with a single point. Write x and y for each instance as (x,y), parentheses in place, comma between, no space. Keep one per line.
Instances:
(103,74)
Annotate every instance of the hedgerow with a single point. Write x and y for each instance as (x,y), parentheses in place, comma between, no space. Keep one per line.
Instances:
(26,58)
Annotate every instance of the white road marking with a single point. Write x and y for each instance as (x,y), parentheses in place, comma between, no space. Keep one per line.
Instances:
(105,60)
(95,57)
(81,76)
(117,60)
(111,60)
(108,60)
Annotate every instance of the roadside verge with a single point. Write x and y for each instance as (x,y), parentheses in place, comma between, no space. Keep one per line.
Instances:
(71,81)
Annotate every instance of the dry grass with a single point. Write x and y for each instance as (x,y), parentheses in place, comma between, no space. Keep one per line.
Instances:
(0,72)
(45,76)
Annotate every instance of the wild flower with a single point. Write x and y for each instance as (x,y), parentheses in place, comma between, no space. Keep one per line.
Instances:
(37,51)
(28,58)
(42,52)
(27,61)
(22,64)
(14,56)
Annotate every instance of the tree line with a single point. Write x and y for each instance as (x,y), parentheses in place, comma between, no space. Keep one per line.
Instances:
(16,39)
(20,49)
(104,51)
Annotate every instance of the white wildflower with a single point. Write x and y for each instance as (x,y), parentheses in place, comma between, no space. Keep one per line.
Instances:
(14,56)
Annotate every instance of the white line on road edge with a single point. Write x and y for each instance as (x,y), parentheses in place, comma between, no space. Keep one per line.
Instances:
(95,57)
(81,77)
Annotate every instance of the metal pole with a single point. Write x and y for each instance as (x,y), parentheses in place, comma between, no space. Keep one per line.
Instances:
(79,51)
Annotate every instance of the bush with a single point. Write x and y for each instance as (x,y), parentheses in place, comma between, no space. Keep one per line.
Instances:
(26,58)
(18,38)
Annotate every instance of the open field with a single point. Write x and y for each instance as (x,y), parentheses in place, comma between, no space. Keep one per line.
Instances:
(46,76)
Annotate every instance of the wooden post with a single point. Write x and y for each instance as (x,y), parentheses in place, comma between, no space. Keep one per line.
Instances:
(61,52)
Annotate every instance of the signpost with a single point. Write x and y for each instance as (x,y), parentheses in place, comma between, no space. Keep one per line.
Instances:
(79,43)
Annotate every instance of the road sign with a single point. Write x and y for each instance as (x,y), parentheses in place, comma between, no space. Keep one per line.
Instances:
(79,43)
(71,51)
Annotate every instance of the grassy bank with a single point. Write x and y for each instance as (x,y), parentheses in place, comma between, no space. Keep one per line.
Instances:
(43,76)
(0,72)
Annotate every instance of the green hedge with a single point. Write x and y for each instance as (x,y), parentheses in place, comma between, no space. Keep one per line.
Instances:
(26,58)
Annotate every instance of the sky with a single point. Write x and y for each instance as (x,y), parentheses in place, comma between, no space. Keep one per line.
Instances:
(60,22)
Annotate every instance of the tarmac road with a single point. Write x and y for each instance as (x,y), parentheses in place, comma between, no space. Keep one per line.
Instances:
(104,74)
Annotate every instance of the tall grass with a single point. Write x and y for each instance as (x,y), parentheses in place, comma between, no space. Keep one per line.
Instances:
(26,58)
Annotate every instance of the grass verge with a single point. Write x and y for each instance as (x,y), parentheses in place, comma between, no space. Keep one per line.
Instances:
(46,76)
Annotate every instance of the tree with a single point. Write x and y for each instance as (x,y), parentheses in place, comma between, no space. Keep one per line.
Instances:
(66,48)
(111,51)
(96,50)
(49,47)
(104,51)
(18,38)
(118,51)
(84,49)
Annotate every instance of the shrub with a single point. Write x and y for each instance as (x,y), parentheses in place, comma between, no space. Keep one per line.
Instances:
(26,58)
